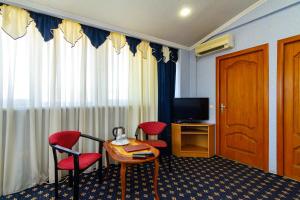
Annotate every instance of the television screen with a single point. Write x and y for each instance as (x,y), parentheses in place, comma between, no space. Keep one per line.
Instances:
(190,109)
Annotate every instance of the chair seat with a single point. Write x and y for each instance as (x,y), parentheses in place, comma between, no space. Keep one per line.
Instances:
(157,143)
(85,160)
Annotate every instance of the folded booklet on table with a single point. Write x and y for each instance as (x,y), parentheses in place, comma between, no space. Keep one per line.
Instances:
(139,147)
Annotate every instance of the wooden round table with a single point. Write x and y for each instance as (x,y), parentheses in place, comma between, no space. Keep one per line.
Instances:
(118,154)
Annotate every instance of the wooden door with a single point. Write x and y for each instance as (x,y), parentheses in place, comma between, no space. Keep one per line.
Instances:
(242,106)
(289,107)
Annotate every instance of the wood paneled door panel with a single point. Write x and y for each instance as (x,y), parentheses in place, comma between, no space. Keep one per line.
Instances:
(288,99)
(242,106)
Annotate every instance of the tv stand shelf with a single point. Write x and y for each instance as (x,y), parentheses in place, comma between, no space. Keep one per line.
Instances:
(193,140)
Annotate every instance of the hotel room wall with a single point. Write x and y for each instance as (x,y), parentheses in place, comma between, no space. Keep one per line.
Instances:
(272,21)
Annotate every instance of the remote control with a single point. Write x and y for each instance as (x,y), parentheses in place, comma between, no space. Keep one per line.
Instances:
(138,156)
(146,154)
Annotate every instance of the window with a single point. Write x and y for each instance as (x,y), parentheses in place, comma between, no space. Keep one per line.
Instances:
(48,74)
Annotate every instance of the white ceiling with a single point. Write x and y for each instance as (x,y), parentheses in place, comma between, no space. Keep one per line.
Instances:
(156,18)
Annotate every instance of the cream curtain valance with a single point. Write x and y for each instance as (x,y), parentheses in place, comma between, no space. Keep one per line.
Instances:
(72,31)
(16,20)
(143,48)
(118,41)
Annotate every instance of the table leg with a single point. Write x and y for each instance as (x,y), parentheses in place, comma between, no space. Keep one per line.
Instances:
(107,165)
(123,179)
(156,168)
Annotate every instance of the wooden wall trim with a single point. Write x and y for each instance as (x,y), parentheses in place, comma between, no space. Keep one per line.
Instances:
(218,106)
(280,101)
(280,107)
(265,49)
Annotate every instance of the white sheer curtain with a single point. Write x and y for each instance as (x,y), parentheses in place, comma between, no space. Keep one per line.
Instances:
(49,86)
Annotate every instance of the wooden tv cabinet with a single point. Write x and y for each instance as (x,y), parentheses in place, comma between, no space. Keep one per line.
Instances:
(193,140)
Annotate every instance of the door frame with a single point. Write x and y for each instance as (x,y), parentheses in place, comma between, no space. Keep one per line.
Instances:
(280,101)
(265,49)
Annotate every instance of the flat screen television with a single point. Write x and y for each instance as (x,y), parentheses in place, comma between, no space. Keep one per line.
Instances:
(189,110)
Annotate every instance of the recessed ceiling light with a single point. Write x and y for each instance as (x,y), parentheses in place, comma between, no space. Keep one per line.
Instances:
(184,12)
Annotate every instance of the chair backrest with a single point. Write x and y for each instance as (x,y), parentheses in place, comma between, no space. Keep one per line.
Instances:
(153,128)
(66,139)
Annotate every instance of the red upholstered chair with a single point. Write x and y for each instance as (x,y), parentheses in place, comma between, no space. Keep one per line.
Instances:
(155,128)
(76,162)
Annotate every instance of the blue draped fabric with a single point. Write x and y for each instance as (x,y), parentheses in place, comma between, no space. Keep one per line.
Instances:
(132,43)
(45,24)
(96,36)
(166,73)
(157,51)
(173,54)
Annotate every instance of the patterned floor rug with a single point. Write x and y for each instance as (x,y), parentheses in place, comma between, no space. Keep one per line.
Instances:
(191,178)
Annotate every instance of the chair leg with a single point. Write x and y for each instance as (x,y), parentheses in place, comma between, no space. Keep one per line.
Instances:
(170,161)
(138,169)
(100,170)
(71,178)
(56,183)
(76,185)
(160,157)
(107,165)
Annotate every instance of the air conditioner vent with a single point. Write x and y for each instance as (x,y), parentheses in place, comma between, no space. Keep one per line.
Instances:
(211,50)
(214,45)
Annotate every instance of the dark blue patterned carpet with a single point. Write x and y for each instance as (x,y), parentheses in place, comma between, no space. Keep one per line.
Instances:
(191,178)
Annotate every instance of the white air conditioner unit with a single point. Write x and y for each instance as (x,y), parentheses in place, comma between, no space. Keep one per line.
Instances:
(214,45)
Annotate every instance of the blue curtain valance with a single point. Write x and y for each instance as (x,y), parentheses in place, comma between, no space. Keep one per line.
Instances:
(45,24)
(173,54)
(96,36)
(157,51)
(133,43)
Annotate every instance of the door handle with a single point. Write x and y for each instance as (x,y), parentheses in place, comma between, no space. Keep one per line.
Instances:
(222,107)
